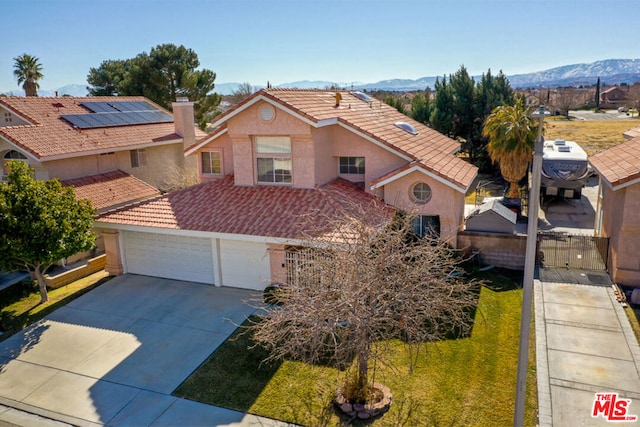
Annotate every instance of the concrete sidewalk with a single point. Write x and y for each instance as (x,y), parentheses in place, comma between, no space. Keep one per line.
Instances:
(114,356)
(584,345)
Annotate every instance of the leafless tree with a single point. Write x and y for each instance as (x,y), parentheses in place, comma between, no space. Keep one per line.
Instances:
(353,286)
(568,98)
(243,91)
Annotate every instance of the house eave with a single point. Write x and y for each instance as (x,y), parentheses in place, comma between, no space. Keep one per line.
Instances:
(197,233)
(419,169)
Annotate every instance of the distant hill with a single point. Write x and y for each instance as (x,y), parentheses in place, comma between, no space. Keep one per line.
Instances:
(610,71)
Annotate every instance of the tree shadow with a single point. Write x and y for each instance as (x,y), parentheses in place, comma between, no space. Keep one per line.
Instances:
(18,344)
(239,364)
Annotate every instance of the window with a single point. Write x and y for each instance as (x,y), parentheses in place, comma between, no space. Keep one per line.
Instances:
(352,165)
(426,225)
(211,162)
(421,192)
(14,155)
(138,158)
(273,156)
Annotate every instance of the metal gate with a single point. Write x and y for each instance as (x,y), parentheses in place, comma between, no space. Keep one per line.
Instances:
(557,249)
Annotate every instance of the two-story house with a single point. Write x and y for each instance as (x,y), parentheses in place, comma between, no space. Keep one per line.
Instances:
(276,163)
(113,150)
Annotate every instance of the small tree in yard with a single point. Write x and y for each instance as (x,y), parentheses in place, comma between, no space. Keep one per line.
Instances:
(358,285)
(41,222)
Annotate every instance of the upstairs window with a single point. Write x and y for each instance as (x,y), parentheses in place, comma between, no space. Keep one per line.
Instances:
(273,159)
(352,165)
(211,162)
(138,158)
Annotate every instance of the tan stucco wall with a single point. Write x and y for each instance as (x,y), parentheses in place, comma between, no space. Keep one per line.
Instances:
(222,144)
(277,263)
(621,223)
(112,251)
(7,118)
(445,202)
(501,250)
(160,161)
(336,142)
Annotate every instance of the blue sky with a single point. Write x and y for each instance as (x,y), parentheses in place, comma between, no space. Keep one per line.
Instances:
(340,41)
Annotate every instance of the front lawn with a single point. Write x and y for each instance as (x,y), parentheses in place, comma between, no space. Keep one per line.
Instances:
(20,304)
(469,381)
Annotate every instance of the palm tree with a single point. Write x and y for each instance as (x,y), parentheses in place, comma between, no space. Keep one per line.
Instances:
(28,70)
(512,133)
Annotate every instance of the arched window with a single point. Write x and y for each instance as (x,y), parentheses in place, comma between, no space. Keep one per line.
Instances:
(14,155)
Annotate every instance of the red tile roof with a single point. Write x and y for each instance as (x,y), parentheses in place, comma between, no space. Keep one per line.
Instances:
(432,149)
(269,211)
(632,133)
(111,190)
(49,136)
(620,164)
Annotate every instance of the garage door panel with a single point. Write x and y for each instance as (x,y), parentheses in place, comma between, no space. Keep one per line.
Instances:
(244,264)
(173,257)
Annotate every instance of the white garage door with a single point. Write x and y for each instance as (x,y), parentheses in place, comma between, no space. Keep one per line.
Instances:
(244,264)
(172,257)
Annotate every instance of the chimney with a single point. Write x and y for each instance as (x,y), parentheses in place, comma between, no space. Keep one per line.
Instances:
(184,120)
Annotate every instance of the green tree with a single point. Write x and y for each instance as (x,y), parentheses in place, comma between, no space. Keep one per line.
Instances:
(512,133)
(441,118)
(462,88)
(490,92)
(107,78)
(597,99)
(41,222)
(421,107)
(165,73)
(28,70)
(396,102)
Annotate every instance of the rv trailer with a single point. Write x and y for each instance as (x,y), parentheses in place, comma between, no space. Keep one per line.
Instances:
(565,169)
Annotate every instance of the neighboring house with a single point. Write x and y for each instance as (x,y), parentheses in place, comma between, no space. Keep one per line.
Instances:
(71,137)
(612,96)
(618,206)
(279,164)
(114,150)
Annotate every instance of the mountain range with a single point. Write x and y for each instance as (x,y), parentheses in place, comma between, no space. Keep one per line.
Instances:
(610,71)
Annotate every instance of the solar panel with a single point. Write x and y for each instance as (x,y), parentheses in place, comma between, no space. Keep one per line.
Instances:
(98,120)
(98,107)
(126,106)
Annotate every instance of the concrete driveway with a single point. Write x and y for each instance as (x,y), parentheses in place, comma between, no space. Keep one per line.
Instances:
(115,355)
(584,345)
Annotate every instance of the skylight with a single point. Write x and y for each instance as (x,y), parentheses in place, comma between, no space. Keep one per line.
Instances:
(362,96)
(406,127)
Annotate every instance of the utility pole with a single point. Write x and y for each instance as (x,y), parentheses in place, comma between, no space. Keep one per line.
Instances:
(529,267)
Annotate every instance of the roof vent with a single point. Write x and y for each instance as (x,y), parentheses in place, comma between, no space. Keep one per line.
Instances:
(406,127)
(362,96)
(564,148)
(559,142)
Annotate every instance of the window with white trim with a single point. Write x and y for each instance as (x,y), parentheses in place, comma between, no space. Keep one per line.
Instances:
(273,159)
(211,162)
(138,158)
(352,165)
